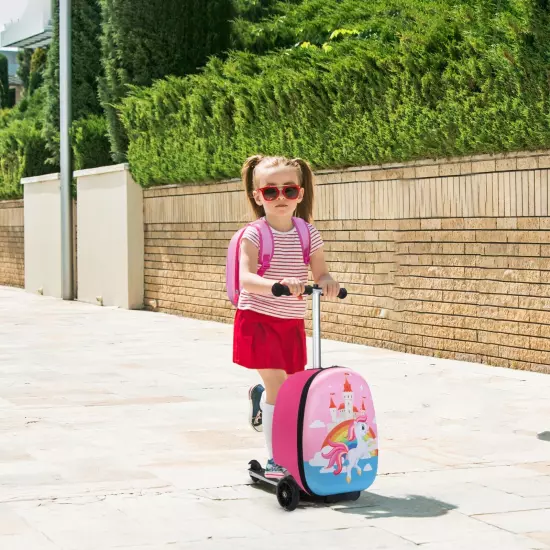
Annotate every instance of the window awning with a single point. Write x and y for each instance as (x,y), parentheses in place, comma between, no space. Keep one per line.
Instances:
(34,28)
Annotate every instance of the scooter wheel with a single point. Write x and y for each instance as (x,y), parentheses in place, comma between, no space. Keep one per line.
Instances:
(254,466)
(288,494)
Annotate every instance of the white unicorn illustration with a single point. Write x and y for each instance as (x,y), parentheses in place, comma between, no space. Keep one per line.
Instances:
(352,443)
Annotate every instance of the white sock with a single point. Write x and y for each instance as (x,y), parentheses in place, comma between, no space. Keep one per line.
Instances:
(267,423)
(262,399)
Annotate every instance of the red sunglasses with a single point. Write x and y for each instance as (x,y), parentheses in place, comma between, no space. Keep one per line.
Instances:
(271,193)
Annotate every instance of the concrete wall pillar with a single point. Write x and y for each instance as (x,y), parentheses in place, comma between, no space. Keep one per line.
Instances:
(110,251)
(42,215)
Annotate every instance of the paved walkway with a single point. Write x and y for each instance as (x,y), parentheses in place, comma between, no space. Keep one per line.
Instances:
(128,430)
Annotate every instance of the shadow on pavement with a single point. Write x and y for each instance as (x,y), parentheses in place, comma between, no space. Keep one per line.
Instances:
(373,506)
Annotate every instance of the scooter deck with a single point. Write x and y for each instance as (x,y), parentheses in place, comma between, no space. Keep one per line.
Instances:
(260,475)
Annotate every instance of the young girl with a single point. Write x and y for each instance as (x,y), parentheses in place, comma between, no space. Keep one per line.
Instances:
(269,334)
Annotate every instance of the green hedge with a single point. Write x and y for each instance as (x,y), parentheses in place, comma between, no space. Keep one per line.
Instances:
(396,81)
(91,145)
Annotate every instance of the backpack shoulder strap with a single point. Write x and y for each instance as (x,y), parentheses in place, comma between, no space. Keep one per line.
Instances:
(265,253)
(305,237)
(232,267)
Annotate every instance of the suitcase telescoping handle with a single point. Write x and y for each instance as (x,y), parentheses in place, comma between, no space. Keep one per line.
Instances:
(282,290)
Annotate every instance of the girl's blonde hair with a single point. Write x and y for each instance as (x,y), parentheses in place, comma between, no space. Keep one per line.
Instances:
(305,208)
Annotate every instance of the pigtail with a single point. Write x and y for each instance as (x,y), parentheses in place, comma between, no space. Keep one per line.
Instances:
(247,174)
(305,208)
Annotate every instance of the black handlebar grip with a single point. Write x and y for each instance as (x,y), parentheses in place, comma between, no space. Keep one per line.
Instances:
(279,289)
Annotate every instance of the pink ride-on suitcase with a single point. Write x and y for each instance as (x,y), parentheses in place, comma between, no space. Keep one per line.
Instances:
(324,430)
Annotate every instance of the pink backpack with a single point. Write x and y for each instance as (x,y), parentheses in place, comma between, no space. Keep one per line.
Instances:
(264,256)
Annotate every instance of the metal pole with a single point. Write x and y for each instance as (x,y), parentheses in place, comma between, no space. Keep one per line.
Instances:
(316,314)
(65,112)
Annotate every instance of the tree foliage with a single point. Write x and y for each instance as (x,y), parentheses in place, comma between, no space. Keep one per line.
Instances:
(86,66)
(4,83)
(24,69)
(145,40)
(37,67)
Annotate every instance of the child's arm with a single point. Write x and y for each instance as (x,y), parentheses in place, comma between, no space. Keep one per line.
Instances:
(321,274)
(254,283)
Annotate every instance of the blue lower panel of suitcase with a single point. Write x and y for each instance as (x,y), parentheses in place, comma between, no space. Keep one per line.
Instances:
(324,481)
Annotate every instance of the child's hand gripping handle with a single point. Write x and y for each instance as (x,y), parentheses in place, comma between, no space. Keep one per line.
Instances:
(282,290)
(279,289)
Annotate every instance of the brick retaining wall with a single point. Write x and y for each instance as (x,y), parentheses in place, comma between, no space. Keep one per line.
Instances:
(12,248)
(450,258)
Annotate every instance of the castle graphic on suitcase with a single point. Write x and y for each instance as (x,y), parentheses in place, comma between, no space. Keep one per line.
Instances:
(332,447)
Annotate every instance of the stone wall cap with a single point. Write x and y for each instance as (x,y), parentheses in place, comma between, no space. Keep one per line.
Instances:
(102,170)
(41,179)
(150,189)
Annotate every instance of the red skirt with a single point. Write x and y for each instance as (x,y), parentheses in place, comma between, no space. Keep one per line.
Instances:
(265,342)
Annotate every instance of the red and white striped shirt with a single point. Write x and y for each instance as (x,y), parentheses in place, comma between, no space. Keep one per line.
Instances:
(287,261)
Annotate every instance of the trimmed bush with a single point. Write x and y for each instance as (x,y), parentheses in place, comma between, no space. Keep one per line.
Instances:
(23,150)
(375,82)
(91,145)
(22,154)
(144,40)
